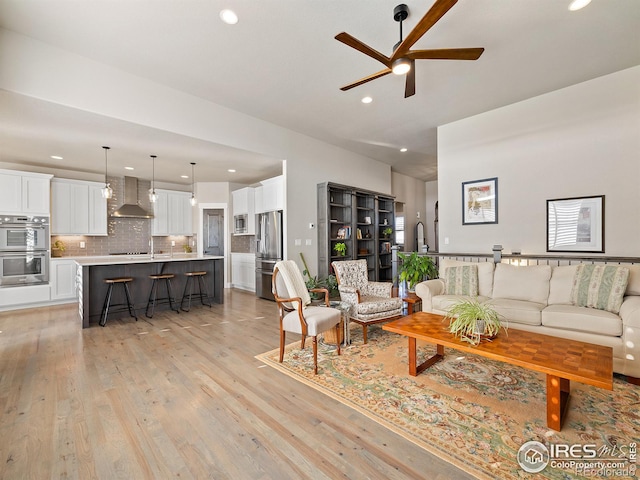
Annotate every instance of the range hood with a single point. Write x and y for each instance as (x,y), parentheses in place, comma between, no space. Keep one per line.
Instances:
(131,207)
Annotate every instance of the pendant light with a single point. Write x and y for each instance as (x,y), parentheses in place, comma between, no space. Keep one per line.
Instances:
(107,191)
(193,186)
(152,191)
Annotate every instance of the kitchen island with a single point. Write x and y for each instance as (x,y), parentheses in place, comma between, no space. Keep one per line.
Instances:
(93,270)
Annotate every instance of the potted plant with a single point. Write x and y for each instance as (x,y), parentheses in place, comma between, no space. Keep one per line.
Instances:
(416,268)
(386,233)
(340,248)
(472,321)
(58,248)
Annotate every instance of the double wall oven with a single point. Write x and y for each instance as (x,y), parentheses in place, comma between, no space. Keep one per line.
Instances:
(24,250)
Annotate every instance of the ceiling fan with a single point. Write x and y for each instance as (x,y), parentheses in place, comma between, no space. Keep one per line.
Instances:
(402,60)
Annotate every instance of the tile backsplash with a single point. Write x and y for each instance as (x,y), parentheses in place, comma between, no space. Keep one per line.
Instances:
(243,243)
(128,235)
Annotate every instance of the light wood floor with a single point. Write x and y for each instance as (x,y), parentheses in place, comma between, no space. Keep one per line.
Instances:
(178,396)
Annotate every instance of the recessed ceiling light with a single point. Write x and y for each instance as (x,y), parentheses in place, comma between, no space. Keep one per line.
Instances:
(403,149)
(366,100)
(184,176)
(56,157)
(232,170)
(128,168)
(229,17)
(578,4)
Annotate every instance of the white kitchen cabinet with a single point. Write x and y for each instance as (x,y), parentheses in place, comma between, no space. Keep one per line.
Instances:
(243,201)
(257,199)
(24,297)
(160,222)
(62,278)
(272,194)
(97,210)
(77,208)
(244,204)
(24,192)
(172,214)
(243,268)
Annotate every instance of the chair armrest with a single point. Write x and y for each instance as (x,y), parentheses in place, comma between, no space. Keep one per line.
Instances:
(427,290)
(322,290)
(350,295)
(379,289)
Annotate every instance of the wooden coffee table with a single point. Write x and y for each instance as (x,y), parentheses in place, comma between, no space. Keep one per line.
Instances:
(560,359)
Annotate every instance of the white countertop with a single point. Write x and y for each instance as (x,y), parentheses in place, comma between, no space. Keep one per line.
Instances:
(128,259)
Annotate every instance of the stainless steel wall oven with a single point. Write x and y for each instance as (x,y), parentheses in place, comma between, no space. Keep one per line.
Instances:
(24,250)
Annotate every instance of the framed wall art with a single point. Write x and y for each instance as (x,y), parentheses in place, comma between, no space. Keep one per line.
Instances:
(480,201)
(576,224)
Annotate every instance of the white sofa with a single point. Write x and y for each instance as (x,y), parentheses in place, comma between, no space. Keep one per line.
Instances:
(539,299)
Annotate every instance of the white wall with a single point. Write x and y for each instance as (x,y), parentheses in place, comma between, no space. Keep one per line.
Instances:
(579,141)
(431,189)
(411,192)
(318,164)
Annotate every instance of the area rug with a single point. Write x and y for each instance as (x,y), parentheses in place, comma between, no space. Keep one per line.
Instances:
(473,412)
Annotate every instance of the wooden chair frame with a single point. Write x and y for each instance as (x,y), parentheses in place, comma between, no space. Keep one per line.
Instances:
(284,309)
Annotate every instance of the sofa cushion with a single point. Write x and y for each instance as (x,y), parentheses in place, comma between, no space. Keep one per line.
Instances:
(529,283)
(485,274)
(461,280)
(561,285)
(582,319)
(600,286)
(518,311)
(443,303)
(370,305)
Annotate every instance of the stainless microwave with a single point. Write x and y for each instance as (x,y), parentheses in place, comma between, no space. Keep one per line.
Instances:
(240,223)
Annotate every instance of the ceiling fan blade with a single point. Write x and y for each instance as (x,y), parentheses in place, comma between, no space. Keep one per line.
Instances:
(434,14)
(446,54)
(410,84)
(379,74)
(363,48)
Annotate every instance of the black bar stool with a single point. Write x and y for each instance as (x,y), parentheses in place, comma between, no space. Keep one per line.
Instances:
(153,294)
(124,281)
(188,290)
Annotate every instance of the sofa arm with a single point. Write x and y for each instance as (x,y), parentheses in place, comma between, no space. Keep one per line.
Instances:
(630,311)
(379,289)
(630,314)
(427,290)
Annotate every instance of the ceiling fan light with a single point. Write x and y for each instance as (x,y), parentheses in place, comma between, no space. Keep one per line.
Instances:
(401,66)
(578,4)
(229,17)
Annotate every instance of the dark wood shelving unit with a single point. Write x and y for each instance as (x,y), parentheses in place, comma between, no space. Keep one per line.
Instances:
(359,214)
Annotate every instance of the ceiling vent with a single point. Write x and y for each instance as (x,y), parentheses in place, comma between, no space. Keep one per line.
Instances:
(131,207)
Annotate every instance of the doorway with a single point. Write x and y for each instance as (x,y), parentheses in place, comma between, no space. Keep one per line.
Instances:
(213,231)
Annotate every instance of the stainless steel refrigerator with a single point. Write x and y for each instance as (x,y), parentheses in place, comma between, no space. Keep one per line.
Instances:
(268,250)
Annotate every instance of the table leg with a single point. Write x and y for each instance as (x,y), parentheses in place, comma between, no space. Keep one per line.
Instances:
(414,368)
(409,308)
(557,400)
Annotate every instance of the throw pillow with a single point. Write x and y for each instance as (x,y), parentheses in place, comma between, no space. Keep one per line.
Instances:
(600,286)
(461,280)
